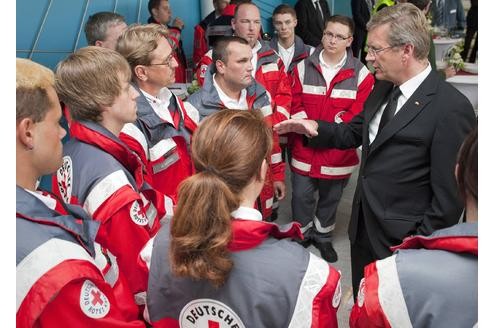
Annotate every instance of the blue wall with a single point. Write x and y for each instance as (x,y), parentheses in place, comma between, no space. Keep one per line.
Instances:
(48,30)
(63,28)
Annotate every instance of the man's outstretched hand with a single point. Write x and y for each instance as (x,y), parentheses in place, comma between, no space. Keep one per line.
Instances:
(306,127)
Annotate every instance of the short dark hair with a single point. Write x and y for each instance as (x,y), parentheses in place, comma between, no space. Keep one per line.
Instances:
(153,4)
(220,52)
(344,20)
(467,171)
(284,9)
(97,25)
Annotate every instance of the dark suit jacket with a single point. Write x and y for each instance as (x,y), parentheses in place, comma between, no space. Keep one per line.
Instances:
(307,27)
(406,181)
(361,15)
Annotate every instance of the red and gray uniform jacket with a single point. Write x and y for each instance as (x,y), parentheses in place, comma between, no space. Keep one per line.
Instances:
(200,45)
(179,55)
(207,101)
(428,282)
(311,99)
(270,74)
(163,148)
(100,173)
(58,283)
(274,283)
(301,51)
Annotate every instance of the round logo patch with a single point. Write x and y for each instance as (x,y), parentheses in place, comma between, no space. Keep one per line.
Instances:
(337,295)
(64,179)
(360,296)
(137,214)
(208,313)
(93,302)
(338,117)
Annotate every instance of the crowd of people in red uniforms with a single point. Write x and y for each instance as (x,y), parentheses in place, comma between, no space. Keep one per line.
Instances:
(161,209)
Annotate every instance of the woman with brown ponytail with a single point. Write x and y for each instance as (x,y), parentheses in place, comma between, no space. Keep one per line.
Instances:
(217,264)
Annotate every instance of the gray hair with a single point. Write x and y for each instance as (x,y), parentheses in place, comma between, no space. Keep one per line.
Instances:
(97,25)
(408,25)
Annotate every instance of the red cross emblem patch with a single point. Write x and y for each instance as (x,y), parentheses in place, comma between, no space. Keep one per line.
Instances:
(64,179)
(93,302)
(138,215)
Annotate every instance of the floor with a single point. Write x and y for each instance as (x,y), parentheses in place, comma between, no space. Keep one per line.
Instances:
(340,242)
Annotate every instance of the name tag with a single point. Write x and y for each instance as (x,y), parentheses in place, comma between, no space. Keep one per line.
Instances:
(166,163)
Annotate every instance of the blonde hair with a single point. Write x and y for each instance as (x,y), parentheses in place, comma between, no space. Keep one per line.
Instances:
(89,79)
(408,25)
(31,85)
(138,41)
(228,150)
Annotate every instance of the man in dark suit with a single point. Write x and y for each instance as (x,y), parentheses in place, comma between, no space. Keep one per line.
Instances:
(310,17)
(361,13)
(410,130)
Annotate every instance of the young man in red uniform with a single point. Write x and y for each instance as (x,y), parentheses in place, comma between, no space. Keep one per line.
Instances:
(330,85)
(99,171)
(58,282)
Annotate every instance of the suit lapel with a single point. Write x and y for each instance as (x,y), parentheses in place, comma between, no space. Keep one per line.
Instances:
(414,105)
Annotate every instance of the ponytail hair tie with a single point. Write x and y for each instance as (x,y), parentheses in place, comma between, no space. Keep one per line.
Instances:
(212,170)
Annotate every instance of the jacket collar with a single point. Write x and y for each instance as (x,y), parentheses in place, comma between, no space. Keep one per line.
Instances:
(460,238)
(314,59)
(75,221)
(96,135)
(248,232)
(301,50)
(210,97)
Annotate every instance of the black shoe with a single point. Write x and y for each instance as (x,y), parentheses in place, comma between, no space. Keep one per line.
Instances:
(327,252)
(304,243)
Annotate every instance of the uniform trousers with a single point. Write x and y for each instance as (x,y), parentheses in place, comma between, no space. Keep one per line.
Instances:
(316,213)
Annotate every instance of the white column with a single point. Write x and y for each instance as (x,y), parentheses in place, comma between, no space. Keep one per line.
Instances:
(206,8)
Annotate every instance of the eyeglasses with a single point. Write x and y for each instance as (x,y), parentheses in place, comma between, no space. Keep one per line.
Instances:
(338,37)
(166,62)
(374,51)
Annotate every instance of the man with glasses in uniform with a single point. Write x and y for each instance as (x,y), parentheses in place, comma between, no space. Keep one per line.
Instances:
(410,130)
(162,132)
(330,85)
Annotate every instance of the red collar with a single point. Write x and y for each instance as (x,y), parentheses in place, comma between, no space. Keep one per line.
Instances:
(113,146)
(457,244)
(247,234)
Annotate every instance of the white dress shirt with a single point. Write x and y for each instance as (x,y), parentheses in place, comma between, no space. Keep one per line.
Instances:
(228,102)
(407,89)
(47,200)
(286,54)
(160,104)
(330,71)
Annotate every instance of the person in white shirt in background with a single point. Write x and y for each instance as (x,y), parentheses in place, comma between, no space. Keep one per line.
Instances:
(285,42)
